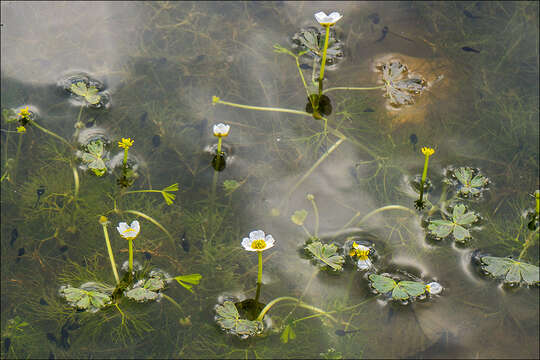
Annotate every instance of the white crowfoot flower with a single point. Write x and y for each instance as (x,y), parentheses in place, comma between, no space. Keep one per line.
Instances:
(257,241)
(129,232)
(221,130)
(327,20)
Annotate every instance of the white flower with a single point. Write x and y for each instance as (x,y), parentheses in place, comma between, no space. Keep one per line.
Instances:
(221,130)
(257,241)
(327,20)
(129,232)
(434,288)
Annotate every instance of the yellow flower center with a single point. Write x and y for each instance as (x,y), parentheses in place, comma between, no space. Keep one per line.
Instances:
(258,244)
(428,288)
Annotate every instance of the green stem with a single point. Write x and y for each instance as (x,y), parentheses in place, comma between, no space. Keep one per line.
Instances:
(33,122)
(323,63)
(537,196)
(258,292)
(384,208)
(172,301)
(75,180)
(527,244)
(219,145)
(130,256)
(142,191)
(316,211)
(259,273)
(126,149)
(19,145)
(353,88)
(300,303)
(111,256)
(261,108)
(302,77)
(307,231)
(321,159)
(424,173)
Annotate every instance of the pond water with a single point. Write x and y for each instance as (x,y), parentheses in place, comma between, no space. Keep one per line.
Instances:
(156,67)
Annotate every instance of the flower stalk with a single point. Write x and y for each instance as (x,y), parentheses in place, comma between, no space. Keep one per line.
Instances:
(427,153)
(103,221)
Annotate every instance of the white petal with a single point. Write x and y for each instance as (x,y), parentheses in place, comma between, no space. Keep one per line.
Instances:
(362,248)
(246,243)
(434,288)
(320,16)
(269,241)
(135,226)
(257,234)
(122,227)
(364,264)
(335,16)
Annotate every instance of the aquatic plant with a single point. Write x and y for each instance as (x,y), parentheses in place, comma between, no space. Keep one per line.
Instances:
(258,242)
(166,193)
(427,153)
(220,131)
(94,157)
(362,253)
(461,220)
(326,254)
(88,93)
(228,318)
(470,181)
(104,221)
(510,271)
(129,232)
(534,216)
(90,296)
(399,85)
(402,290)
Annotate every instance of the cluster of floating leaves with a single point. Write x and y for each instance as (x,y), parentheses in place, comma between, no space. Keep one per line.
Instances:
(469,182)
(403,290)
(89,91)
(90,296)
(229,320)
(510,271)
(400,86)
(327,256)
(147,289)
(94,157)
(457,226)
(311,40)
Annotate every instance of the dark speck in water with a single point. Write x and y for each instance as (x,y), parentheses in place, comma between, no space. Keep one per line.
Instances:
(199,58)
(51,356)
(384,31)
(340,332)
(19,254)
(7,344)
(14,236)
(414,140)
(147,255)
(144,116)
(369,110)
(374,18)
(470,15)
(156,140)
(470,49)
(305,66)
(63,249)
(51,338)
(90,124)
(184,242)
(43,302)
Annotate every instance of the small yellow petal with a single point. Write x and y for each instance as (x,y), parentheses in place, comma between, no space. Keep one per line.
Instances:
(21,129)
(428,151)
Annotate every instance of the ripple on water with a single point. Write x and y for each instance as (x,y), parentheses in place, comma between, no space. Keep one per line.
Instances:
(67,81)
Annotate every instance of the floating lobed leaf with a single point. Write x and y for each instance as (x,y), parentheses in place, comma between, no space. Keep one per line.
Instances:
(299,217)
(382,284)
(288,333)
(141,294)
(400,291)
(311,41)
(327,254)
(511,271)
(229,320)
(399,86)
(90,296)
(90,94)
(460,220)
(441,228)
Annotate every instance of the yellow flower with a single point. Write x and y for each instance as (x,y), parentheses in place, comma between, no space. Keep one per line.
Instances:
(24,112)
(428,151)
(215,99)
(125,143)
(21,129)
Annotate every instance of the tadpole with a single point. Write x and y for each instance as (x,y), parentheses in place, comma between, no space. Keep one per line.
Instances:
(40,191)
